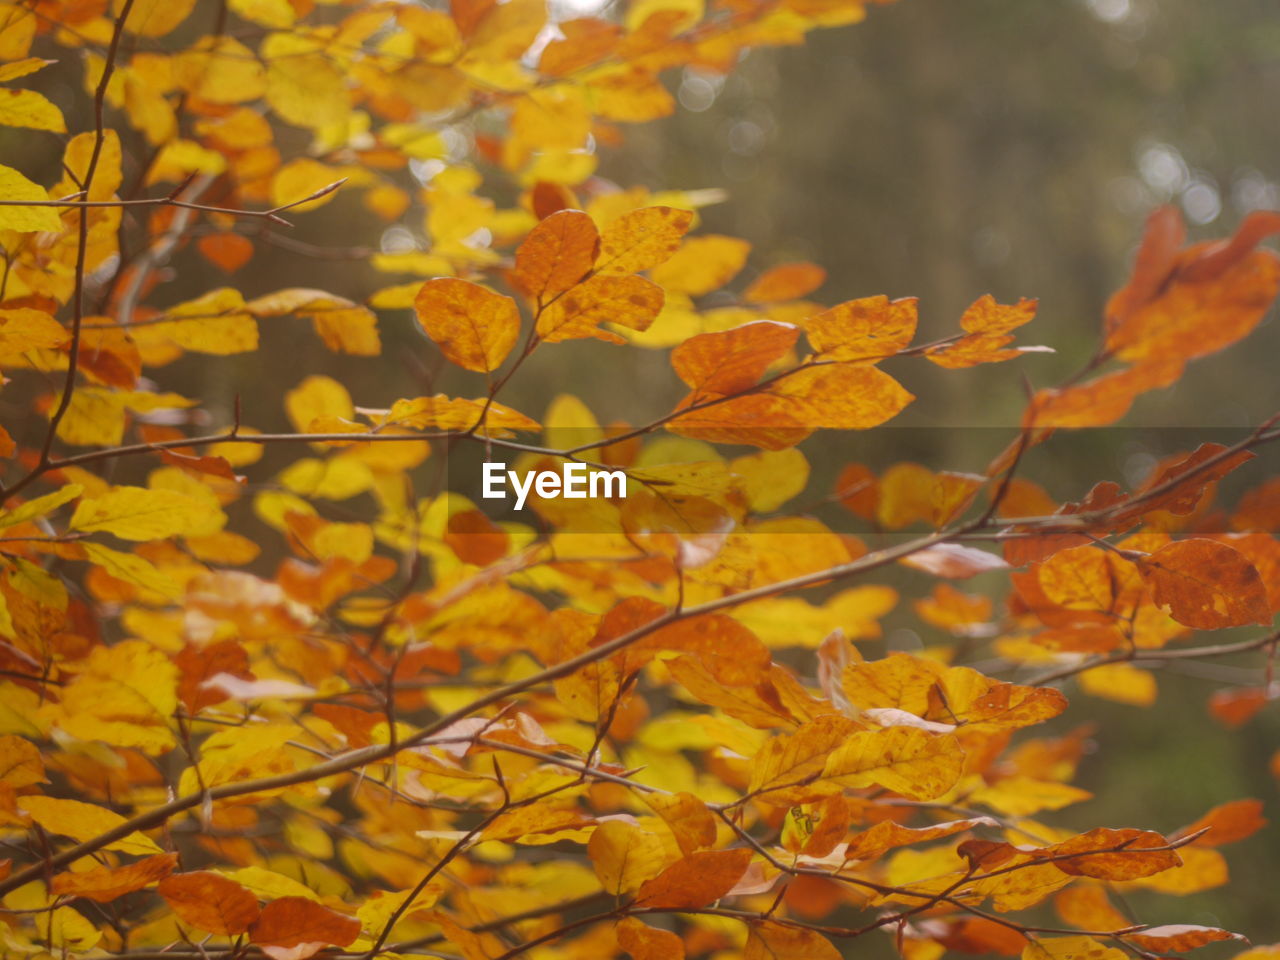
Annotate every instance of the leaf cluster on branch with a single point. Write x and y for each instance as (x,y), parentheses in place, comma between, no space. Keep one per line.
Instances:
(335,709)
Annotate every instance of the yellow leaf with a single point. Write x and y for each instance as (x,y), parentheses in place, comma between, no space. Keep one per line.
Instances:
(276,14)
(83,821)
(154,18)
(27,108)
(220,70)
(14,187)
(1121,682)
(624,856)
(20,68)
(301,178)
(703,264)
(216,323)
(24,329)
(20,763)
(642,239)
(304,86)
(135,513)
(907,760)
(40,506)
(70,931)
(316,397)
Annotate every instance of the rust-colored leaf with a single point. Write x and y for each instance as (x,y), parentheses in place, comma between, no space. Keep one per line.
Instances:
(292,921)
(1207,585)
(1177,937)
(209,901)
(104,884)
(695,880)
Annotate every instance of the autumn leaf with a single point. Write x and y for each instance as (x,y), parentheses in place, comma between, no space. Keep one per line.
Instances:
(695,880)
(907,760)
(1206,584)
(624,856)
(474,328)
(134,513)
(83,821)
(642,239)
(17,189)
(294,921)
(770,940)
(209,901)
(1177,937)
(557,253)
(642,942)
(104,884)
(785,282)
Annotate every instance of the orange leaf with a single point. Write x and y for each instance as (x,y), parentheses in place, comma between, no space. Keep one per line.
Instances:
(632,302)
(104,884)
(1177,937)
(692,823)
(769,940)
(556,254)
(866,329)
(870,844)
(988,324)
(228,251)
(1108,854)
(785,282)
(643,942)
(732,360)
(199,664)
(475,539)
(642,239)
(211,466)
(1089,909)
(1157,256)
(291,921)
(1207,585)
(209,901)
(474,327)
(1227,823)
(696,880)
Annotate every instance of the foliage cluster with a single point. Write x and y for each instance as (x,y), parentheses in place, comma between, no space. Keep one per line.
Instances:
(643,726)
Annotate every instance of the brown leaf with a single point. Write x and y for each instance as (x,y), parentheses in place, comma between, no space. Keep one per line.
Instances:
(1108,854)
(696,880)
(209,901)
(291,921)
(1177,937)
(104,884)
(1207,585)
